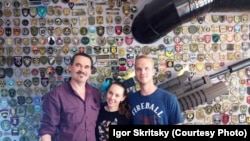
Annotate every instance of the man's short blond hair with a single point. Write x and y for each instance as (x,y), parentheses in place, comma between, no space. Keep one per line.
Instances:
(144,57)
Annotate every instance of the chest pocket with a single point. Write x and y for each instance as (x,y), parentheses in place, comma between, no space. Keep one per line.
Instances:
(94,112)
(72,115)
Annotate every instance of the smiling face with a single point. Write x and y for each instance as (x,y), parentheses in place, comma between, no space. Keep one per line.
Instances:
(115,95)
(80,69)
(144,70)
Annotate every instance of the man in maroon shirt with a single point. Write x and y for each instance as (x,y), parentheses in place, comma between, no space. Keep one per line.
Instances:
(70,110)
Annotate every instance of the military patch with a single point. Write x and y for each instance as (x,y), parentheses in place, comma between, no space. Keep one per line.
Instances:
(88,49)
(100,30)
(2,41)
(59,70)
(137,50)
(97,49)
(111,40)
(9,72)
(26,50)
(35,50)
(10,83)
(129,40)
(21,100)
(42,11)
(29,100)
(19,83)
(67,60)
(51,30)
(42,50)
(18,50)
(101,41)
(16,31)
(18,61)
(1,31)
(42,72)
(27,83)
(45,81)
(247,72)
(34,72)
(73,50)
(110,30)
(59,41)
(9,61)
(146,50)
(26,72)
(113,49)
(65,49)
(66,40)
(81,49)
(127,29)
(118,30)
(92,40)
(25,12)
(42,31)
(36,61)
(43,59)
(18,72)
(130,63)
(12,92)
(5,125)
(27,61)
(94,58)
(59,59)
(119,40)
(35,81)
(4,113)
(8,31)
(14,120)
(51,60)
(34,30)
(91,20)
(51,40)
(242,118)
(50,50)
(2,73)
(85,40)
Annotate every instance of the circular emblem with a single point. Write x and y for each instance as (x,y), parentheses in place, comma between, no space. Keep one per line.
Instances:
(29,100)
(146,50)
(5,125)
(85,40)
(7,139)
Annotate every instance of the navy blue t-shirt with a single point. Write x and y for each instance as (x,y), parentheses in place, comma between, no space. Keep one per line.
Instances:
(105,119)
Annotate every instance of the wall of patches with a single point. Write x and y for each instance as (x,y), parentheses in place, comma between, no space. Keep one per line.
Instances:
(38,38)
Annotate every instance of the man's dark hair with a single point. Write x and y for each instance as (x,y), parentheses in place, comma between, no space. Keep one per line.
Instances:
(81,54)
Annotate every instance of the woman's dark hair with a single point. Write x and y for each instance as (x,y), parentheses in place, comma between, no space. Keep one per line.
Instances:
(81,54)
(124,107)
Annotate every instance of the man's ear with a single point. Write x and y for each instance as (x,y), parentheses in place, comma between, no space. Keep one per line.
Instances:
(154,71)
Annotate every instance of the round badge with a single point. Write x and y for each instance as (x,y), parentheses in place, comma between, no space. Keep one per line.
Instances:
(146,50)
(29,100)
(27,83)
(84,31)
(20,91)
(12,93)
(192,29)
(4,92)
(85,40)
(7,139)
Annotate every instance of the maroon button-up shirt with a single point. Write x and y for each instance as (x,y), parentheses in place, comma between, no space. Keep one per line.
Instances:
(67,117)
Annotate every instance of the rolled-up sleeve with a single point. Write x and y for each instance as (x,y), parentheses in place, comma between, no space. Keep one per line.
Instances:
(50,114)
